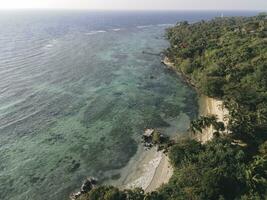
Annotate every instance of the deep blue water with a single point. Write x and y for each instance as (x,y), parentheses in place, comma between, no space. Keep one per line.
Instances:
(76,92)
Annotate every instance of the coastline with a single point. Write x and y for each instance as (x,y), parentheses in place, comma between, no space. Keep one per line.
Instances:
(170,65)
(154,168)
(210,106)
(151,169)
(201,70)
(162,174)
(147,170)
(207,105)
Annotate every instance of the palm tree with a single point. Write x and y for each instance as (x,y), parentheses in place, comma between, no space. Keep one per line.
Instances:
(204,122)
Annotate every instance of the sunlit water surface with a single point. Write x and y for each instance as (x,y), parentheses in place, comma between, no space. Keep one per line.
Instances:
(76,93)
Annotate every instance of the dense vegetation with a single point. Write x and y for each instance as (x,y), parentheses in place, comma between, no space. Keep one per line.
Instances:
(225,58)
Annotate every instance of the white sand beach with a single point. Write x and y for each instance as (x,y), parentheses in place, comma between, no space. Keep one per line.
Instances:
(211,106)
(147,170)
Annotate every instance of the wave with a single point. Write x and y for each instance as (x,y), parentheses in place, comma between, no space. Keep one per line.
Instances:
(159,25)
(95,32)
(50,44)
(165,24)
(147,26)
(116,29)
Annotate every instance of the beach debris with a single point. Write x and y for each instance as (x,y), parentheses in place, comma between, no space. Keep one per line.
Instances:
(87,186)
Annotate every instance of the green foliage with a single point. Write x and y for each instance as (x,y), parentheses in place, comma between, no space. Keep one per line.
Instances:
(186,66)
(263,149)
(103,193)
(112,193)
(156,137)
(216,171)
(184,150)
(135,194)
(212,86)
(225,58)
(256,173)
(206,121)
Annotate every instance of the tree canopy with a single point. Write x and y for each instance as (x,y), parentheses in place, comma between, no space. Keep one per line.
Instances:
(225,58)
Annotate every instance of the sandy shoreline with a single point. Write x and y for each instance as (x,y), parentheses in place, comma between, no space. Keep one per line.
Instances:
(151,169)
(147,170)
(162,175)
(210,106)
(207,106)
(142,176)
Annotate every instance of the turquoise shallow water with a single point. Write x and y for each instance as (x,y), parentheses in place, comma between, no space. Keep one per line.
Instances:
(75,97)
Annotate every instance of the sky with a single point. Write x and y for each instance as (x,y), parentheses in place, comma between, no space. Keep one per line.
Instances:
(137,4)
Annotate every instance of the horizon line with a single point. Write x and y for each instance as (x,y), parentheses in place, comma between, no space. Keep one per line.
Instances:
(127,10)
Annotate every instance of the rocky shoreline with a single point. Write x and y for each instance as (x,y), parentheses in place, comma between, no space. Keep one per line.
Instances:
(88,184)
(170,66)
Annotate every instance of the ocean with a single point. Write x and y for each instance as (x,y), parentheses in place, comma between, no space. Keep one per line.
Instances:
(77,90)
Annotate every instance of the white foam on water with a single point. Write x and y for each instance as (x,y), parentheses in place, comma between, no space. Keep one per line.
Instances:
(165,25)
(50,44)
(95,32)
(116,29)
(101,31)
(147,26)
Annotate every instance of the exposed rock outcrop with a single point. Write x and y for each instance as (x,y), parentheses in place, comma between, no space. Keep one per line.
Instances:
(87,186)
